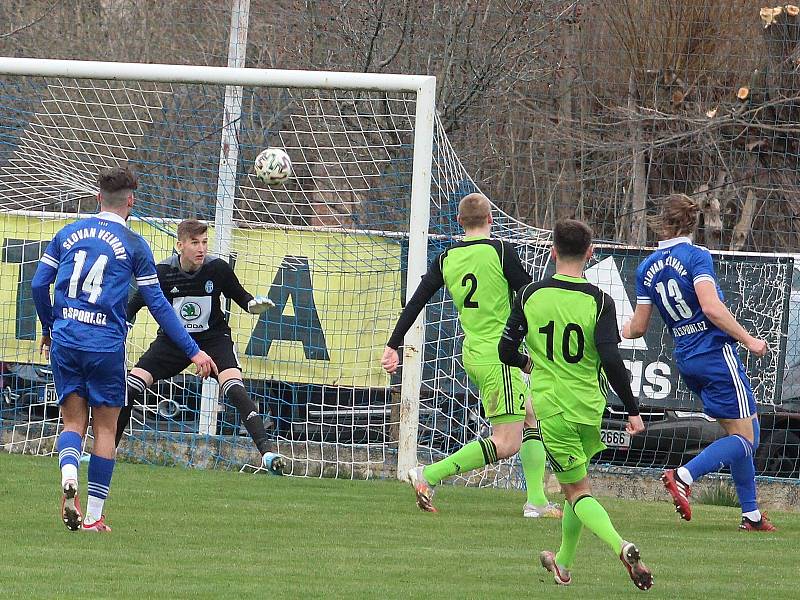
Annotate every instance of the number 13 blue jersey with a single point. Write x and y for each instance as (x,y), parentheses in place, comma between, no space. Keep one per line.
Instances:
(666,279)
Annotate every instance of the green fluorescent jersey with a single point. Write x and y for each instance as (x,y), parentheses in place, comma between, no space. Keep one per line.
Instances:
(473,274)
(565,319)
(480,273)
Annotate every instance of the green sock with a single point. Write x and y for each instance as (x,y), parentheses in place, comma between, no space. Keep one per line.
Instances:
(571,527)
(594,516)
(531,455)
(475,454)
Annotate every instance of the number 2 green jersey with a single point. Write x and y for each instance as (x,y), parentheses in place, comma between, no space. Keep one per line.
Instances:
(563,320)
(481,275)
(473,272)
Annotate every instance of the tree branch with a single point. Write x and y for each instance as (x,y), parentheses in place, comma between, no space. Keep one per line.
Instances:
(45,13)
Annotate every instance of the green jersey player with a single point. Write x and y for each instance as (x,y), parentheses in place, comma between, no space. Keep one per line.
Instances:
(570,328)
(481,275)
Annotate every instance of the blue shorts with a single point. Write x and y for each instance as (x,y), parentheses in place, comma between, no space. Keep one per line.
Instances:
(99,377)
(719,379)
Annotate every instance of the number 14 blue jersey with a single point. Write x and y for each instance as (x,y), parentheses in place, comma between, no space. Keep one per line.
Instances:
(666,279)
(91,262)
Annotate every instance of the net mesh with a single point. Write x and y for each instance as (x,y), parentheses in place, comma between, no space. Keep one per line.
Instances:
(583,109)
(329,248)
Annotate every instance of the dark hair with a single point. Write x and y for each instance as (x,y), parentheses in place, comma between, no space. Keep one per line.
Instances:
(473,210)
(679,216)
(190,228)
(571,238)
(117,179)
(115,185)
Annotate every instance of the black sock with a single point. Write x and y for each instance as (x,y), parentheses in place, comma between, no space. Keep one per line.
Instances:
(136,387)
(248,411)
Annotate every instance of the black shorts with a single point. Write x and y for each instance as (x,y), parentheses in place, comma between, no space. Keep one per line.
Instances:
(163,359)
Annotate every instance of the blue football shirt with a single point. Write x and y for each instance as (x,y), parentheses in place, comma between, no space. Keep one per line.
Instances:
(666,279)
(92,262)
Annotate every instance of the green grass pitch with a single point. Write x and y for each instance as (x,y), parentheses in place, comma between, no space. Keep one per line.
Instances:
(197,534)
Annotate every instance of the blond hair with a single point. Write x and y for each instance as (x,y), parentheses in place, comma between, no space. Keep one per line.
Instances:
(473,210)
(679,216)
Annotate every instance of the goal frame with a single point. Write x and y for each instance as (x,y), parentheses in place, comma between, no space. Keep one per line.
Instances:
(423,86)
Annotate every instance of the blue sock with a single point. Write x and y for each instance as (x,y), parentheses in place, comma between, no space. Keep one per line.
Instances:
(69,455)
(100,472)
(743,472)
(725,451)
(744,475)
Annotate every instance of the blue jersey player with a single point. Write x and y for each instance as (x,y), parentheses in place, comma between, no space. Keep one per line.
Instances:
(92,262)
(679,280)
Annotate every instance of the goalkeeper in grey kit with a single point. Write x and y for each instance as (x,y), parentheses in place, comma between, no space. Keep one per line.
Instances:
(192,281)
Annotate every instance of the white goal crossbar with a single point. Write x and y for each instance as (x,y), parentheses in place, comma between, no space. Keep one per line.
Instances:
(119,71)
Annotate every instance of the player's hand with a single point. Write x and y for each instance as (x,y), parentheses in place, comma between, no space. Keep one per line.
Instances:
(44,346)
(756,346)
(635,425)
(205,366)
(626,330)
(259,304)
(528,367)
(390,360)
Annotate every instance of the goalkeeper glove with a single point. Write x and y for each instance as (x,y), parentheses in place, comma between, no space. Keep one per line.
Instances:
(259,304)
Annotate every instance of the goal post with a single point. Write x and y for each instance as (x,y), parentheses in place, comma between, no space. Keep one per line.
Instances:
(226,184)
(417,265)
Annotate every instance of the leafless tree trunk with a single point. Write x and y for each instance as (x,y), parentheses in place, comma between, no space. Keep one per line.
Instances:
(742,229)
(638,185)
(566,79)
(708,200)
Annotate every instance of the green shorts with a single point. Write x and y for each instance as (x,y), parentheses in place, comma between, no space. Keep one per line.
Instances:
(569,446)
(503,391)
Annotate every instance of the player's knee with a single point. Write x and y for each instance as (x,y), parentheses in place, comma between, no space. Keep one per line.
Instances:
(509,451)
(234,386)
(577,490)
(235,392)
(136,386)
(104,425)
(748,444)
(506,447)
(531,432)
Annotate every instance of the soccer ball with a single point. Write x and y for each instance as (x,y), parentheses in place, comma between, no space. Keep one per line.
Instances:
(273,166)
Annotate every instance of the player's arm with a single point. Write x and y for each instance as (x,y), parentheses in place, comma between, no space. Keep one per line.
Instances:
(135,304)
(637,325)
(233,289)
(716,312)
(513,269)
(431,282)
(45,275)
(513,334)
(705,286)
(606,339)
(144,270)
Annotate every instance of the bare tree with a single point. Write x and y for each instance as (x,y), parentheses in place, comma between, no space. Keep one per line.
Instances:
(588,108)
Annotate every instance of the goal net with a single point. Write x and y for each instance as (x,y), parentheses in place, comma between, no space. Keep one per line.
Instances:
(330,248)
(334,249)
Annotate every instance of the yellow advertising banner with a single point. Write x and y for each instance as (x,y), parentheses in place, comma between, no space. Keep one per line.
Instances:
(337,296)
